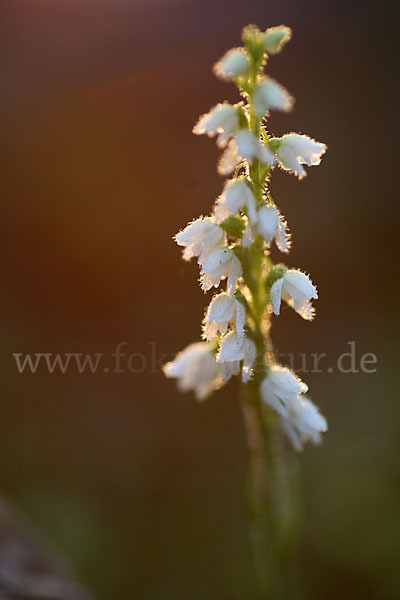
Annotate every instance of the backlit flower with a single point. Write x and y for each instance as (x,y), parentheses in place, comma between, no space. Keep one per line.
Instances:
(223,312)
(275,38)
(303,423)
(220,263)
(295,150)
(297,290)
(235,195)
(221,120)
(233,64)
(200,238)
(244,146)
(281,388)
(196,369)
(233,350)
(270,95)
(270,225)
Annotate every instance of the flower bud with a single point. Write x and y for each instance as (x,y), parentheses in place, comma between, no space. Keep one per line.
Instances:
(275,38)
(253,39)
(234,63)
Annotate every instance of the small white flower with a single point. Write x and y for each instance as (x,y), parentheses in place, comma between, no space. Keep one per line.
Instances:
(281,388)
(270,95)
(295,150)
(275,38)
(244,146)
(297,290)
(196,369)
(268,222)
(304,423)
(270,225)
(233,349)
(221,120)
(223,312)
(200,238)
(233,64)
(220,263)
(235,195)
(300,418)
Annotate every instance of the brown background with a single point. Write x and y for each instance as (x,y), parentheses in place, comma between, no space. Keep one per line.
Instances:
(136,485)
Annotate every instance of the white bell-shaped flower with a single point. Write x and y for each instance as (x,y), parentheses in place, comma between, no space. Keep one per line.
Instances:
(221,120)
(233,350)
(295,150)
(220,263)
(281,388)
(200,238)
(196,369)
(234,63)
(244,146)
(275,38)
(223,312)
(304,423)
(235,195)
(297,290)
(270,224)
(270,95)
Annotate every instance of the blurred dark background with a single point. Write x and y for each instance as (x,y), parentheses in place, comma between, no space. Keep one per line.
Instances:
(138,487)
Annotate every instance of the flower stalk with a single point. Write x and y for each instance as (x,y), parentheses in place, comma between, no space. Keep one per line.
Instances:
(234,243)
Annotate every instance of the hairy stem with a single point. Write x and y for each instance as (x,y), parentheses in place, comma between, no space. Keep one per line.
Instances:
(272,499)
(272,481)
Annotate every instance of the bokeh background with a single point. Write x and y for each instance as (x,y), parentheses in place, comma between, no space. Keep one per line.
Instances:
(136,486)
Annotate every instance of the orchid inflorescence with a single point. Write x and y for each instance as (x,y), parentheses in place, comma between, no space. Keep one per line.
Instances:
(233,243)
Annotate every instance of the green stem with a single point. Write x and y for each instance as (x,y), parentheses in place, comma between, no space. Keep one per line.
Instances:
(271,492)
(272,481)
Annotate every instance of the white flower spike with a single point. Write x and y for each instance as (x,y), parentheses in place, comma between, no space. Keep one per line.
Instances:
(270,95)
(297,290)
(196,369)
(281,388)
(235,195)
(304,423)
(222,120)
(234,63)
(200,238)
(220,263)
(223,312)
(244,146)
(234,244)
(233,350)
(295,150)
